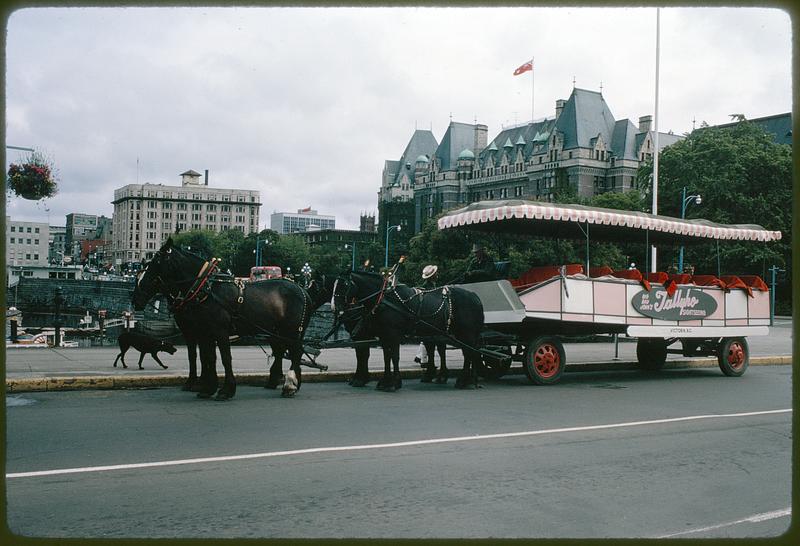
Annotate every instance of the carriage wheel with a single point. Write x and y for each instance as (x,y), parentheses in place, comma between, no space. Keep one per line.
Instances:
(651,353)
(492,368)
(544,360)
(733,356)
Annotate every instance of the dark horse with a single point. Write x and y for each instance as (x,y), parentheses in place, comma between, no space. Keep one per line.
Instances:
(390,312)
(148,286)
(217,307)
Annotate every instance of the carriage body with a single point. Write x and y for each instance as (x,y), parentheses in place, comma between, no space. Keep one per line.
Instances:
(705,315)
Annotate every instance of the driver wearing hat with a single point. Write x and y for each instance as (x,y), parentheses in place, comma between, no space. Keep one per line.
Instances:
(481,267)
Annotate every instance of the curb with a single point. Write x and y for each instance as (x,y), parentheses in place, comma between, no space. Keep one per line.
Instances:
(52,384)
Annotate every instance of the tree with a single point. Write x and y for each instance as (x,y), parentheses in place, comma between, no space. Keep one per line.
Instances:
(226,247)
(744,177)
(200,241)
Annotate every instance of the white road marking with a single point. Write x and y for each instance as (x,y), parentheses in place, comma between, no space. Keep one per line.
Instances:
(365,447)
(751,519)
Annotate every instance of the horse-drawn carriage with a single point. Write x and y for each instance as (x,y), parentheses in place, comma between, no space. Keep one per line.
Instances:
(493,323)
(707,315)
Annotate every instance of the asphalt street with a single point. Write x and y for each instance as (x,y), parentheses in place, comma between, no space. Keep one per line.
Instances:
(687,453)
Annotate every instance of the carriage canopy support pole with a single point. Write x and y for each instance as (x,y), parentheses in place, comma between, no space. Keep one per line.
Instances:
(774,270)
(586,232)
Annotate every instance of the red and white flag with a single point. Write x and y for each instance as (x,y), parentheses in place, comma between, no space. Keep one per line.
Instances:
(524,68)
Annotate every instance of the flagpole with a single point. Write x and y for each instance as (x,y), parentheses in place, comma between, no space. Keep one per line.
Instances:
(653,267)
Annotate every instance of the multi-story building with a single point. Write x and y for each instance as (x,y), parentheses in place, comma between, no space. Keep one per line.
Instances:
(26,248)
(778,125)
(583,148)
(396,195)
(27,243)
(80,226)
(145,215)
(57,244)
(304,219)
(366,222)
(338,237)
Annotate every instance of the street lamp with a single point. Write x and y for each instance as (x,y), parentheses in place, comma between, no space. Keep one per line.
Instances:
(685,201)
(388,229)
(352,246)
(258,251)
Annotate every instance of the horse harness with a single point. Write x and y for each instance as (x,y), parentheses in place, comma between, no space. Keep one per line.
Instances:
(404,308)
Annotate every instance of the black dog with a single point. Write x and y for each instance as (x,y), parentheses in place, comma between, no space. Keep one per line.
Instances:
(144,344)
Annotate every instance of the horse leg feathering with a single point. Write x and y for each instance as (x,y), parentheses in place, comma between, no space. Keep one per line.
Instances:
(290,384)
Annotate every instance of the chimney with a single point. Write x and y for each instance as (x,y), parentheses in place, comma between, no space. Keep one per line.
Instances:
(644,123)
(559,106)
(206,177)
(481,133)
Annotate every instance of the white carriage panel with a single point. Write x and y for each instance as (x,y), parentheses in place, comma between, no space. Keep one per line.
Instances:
(759,322)
(736,304)
(700,332)
(609,319)
(657,322)
(609,298)
(758,305)
(581,298)
(546,298)
(539,314)
(713,322)
(577,317)
(630,291)
(719,297)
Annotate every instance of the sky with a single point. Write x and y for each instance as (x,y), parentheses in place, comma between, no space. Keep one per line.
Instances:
(306,104)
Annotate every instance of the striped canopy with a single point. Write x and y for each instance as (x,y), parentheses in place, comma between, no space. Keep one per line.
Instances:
(572,221)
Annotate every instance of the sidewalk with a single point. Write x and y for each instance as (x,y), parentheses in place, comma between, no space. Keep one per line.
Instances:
(46,369)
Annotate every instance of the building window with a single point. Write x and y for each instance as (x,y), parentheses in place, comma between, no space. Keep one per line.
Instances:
(36,230)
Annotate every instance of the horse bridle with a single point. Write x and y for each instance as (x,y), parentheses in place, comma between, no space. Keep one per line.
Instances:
(177,301)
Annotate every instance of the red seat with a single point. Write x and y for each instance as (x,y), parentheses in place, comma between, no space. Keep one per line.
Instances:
(755,282)
(600,271)
(709,280)
(681,278)
(732,281)
(659,277)
(542,273)
(633,275)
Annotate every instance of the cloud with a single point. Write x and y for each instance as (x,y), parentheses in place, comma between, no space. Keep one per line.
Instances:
(305,104)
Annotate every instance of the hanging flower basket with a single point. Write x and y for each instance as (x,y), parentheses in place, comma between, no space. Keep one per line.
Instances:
(33,179)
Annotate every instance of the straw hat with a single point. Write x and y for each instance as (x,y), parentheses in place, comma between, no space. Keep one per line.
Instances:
(429,271)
